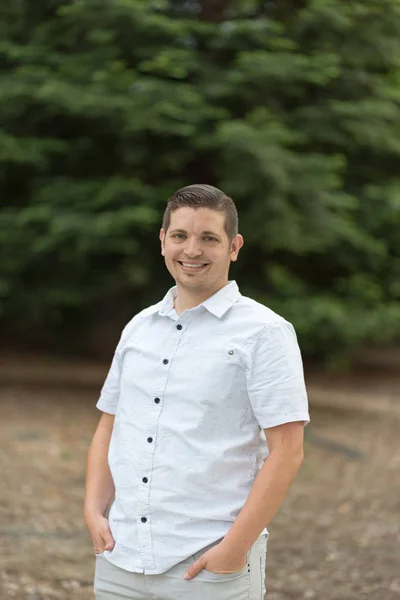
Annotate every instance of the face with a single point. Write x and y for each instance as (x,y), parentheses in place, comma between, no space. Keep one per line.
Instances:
(197,250)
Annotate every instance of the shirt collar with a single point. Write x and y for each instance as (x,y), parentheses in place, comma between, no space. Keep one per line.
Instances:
(218,304)
(221,302)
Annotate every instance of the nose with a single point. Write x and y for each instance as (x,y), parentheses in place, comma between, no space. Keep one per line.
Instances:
(192,248)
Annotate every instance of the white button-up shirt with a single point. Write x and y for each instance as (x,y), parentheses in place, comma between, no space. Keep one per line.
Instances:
(191,396)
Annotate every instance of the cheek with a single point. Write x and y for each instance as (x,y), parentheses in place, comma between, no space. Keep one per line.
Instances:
(170,256)
(221,259)
(167,251)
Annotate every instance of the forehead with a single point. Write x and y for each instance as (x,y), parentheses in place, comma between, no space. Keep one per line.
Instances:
(198,219)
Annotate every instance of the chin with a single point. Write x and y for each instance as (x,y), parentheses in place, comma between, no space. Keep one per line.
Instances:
(192,285)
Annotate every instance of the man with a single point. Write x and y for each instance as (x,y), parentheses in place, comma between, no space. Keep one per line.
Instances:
(202,425)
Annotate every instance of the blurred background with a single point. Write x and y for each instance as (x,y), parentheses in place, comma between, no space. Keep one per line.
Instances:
(291,107)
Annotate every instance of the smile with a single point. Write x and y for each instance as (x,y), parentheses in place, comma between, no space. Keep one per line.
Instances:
(192,266)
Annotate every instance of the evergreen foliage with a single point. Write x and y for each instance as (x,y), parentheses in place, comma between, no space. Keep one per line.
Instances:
(290,107)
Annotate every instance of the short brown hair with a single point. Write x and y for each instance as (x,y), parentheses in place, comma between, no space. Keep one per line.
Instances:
(204,196)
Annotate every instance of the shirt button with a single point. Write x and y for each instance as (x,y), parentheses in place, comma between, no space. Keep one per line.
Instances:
(150,439)
(165,361)
(145,480)
(157,400)
(144,520)
(179,327)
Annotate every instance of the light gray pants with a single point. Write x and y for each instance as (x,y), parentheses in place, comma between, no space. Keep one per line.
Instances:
(113,583)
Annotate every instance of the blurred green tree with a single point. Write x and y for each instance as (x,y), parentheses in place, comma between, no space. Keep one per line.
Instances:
(291,107)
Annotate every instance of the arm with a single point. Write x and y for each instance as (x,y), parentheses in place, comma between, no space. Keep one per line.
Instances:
(279,400)
(270,486)
(99,485)
(269,489)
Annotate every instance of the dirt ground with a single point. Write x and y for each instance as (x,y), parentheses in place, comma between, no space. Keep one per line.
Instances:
(337,536)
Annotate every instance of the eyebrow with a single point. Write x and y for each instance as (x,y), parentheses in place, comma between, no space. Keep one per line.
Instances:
(202,233)
(210,233)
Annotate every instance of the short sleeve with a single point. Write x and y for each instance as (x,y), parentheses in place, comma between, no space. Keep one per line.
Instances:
(109,395)
(275,378)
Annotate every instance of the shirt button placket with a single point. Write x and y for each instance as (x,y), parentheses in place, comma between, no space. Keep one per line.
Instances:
(150,445)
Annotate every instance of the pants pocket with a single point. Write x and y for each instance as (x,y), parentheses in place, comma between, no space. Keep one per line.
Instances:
(207,575)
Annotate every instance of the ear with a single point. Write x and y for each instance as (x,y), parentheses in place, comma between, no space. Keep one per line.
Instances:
(236,244)
(162,238)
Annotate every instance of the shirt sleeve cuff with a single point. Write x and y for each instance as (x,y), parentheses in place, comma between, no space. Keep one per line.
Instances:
(104,406)
(272,421)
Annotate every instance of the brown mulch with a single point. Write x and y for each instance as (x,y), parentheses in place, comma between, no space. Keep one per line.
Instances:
(337,536)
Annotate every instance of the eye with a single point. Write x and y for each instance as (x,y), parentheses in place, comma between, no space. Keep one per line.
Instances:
(210,238)
(178,236)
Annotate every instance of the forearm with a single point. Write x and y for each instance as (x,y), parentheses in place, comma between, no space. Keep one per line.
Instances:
(99,483)
(266,496)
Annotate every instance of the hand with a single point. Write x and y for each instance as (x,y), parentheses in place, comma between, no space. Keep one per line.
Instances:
(100,533)
(219,559)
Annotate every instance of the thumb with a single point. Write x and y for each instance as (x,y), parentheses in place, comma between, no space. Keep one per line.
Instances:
(108,541)
(194,569)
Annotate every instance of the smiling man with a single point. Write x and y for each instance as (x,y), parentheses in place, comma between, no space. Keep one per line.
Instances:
(201,432)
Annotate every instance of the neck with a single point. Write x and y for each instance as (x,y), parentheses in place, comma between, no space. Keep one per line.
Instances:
(186,299)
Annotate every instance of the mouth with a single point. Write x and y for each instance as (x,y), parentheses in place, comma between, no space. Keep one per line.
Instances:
(192,267)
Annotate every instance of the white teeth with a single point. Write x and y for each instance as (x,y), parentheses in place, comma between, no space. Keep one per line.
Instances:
(193,266)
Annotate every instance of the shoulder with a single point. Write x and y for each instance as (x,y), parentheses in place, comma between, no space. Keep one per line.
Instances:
(266,328)
(255,324)
(271,339)
(254,312)
(137,320)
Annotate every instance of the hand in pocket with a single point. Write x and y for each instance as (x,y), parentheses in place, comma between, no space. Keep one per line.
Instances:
(100,533)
